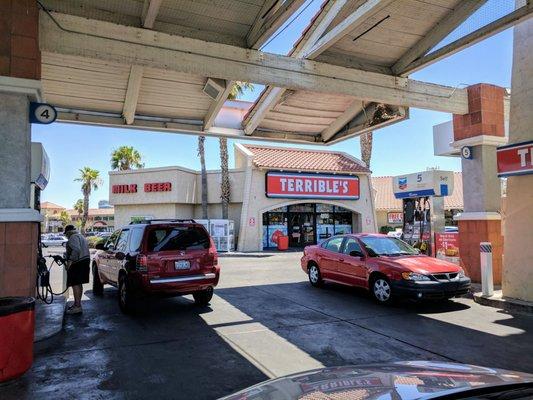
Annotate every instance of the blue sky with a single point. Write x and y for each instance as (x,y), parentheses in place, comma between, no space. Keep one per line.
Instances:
(401,148)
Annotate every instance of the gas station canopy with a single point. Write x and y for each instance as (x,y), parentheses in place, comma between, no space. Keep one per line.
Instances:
(169,65)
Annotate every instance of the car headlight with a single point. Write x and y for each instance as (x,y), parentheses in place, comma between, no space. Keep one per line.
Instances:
(461,274)
(412,276)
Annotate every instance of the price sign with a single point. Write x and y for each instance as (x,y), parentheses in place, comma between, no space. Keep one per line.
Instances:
(42,113)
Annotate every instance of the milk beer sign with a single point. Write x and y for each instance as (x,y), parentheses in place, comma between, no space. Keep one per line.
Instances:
(515,159)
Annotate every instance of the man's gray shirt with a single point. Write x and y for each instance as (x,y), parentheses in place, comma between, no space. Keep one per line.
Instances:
(77,248)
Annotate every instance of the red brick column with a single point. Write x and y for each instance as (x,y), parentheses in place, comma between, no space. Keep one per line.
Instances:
(18,258)
(483,130)
(19,47)
(471,234)
(485,113)
(19,58)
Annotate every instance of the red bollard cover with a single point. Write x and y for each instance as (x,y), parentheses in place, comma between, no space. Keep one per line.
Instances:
(283,242)
(17,325)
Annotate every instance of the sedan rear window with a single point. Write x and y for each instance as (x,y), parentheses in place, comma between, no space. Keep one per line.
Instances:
(177,238)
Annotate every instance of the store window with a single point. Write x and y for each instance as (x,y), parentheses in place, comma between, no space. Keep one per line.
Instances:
(305,223)
(343,222)
(274,225)
(295,208)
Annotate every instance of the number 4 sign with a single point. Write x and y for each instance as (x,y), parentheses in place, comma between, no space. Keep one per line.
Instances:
(42,113)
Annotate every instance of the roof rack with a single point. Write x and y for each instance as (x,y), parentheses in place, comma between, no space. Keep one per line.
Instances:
(151,221)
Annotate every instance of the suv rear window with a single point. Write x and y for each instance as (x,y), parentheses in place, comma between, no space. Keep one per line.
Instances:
(170,238)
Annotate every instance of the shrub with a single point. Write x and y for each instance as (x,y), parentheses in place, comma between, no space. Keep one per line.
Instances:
(94,240)
(386,229)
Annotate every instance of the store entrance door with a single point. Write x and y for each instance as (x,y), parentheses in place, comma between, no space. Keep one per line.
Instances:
(301,229)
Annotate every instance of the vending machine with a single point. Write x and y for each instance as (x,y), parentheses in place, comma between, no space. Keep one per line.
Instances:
(422,196)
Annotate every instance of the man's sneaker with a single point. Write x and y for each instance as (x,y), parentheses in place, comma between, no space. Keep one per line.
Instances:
(74,310)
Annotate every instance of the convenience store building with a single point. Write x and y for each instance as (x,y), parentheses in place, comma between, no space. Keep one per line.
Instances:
(308,195)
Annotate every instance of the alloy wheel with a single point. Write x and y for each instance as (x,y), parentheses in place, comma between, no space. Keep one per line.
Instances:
(382,290)
(313,274)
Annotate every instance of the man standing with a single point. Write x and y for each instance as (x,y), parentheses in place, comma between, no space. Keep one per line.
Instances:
(78,263)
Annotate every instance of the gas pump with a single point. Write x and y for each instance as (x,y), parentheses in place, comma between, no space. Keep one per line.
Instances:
(422,196)
(40,175)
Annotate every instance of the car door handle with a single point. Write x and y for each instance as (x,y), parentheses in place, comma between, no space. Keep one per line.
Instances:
(340,259)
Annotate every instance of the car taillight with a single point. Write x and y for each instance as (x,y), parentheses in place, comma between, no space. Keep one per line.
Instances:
(213,252)
(141,263)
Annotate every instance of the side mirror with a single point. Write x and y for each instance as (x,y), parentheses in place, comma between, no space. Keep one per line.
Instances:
(120,255)
(100,246)
(356,253)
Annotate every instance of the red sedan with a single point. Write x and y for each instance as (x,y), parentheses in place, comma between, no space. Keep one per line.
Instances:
(386,266)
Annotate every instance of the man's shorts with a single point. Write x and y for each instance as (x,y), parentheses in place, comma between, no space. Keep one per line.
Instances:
(78,273)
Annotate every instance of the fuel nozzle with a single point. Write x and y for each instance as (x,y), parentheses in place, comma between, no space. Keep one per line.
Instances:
(58,259)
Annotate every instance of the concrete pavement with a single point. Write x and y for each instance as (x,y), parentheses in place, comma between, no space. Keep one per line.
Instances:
(264,321)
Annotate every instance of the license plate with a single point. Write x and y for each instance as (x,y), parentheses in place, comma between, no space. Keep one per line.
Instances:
(182,264)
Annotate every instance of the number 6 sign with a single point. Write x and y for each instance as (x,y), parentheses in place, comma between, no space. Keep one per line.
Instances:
(42,113)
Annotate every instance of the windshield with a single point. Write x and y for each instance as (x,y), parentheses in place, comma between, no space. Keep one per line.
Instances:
(386,246)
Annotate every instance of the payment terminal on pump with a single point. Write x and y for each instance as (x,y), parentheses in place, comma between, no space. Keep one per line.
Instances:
(422,196)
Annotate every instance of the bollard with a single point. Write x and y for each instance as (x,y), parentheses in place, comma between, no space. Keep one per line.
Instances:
(487,286)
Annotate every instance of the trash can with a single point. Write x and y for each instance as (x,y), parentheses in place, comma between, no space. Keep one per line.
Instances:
(17,326)
(283,242)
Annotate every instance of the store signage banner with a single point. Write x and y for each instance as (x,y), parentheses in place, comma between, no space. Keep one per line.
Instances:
(123,189)
(394,218)
(515,159)
(158,187)
(312,186)
(426,183)
(447,246)
(148,188)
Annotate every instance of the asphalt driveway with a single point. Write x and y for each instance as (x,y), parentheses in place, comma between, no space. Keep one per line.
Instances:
(264,321)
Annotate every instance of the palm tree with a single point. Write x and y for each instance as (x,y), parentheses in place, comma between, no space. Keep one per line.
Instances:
(90,180)
(201,154)
(78,206)
(125,158)
(366,147)
(64,218)
(238,89)
(225,188)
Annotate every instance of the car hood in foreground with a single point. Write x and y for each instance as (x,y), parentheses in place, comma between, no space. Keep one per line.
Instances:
(401,380)
(421,264)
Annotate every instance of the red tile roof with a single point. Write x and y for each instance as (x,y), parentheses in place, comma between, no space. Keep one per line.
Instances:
(93,212)
(46,205)
(385,200)
(284,158)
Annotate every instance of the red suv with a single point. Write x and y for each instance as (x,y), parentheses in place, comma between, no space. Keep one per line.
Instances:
(386,266)
(157,257)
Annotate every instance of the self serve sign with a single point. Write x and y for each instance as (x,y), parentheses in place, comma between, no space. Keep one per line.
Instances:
(515,159)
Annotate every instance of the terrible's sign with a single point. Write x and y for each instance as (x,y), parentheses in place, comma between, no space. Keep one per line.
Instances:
(515,159)
(311,186)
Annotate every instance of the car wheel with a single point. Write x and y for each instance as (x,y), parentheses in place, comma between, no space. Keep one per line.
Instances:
(125,297)
(314,275)
(382,290)
(98,286)
(203,297)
